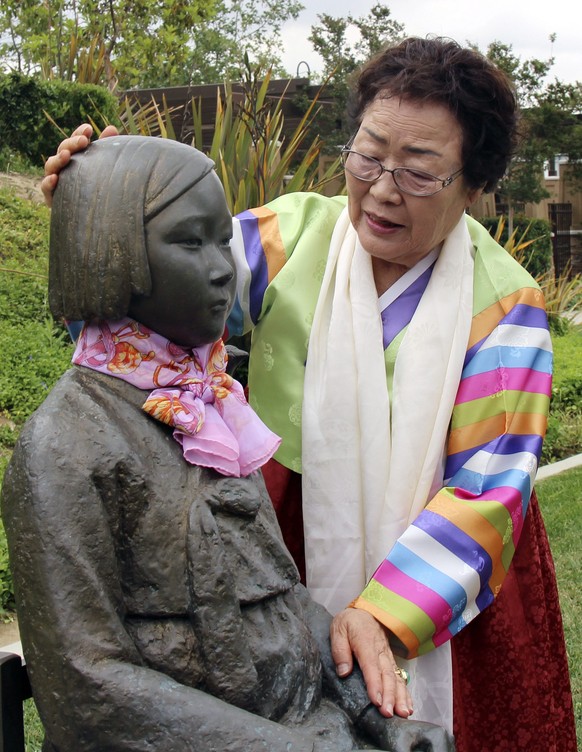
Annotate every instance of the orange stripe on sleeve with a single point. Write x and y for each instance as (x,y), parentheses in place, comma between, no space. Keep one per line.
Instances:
(475,434)
(486,321)
(270,240)
(474,524)
(402,632)
(478,527)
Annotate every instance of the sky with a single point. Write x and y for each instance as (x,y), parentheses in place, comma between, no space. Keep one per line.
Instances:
(524,24)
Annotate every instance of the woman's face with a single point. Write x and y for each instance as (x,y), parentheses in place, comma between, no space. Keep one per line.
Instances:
(192,270)
(394,227)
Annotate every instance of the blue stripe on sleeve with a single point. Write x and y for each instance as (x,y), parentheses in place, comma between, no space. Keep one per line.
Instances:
(526,315)
(418,569)
(509,357)
(477,483)
(257,262)
(458,542)
(506,444)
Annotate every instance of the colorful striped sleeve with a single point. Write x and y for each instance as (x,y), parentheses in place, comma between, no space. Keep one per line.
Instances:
(259,254)
(450,563)
(297,225)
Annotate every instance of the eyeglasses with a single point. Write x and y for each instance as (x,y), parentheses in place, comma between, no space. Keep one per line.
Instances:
(413,182)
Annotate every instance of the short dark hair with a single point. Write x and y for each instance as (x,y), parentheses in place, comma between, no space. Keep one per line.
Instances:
(104,198)
(479,95)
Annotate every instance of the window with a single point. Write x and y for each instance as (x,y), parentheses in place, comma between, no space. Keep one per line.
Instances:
(552,166)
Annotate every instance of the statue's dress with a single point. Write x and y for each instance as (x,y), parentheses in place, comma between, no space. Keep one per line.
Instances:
(148,587)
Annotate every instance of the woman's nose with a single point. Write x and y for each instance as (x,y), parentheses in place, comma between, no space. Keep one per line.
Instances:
(385,189)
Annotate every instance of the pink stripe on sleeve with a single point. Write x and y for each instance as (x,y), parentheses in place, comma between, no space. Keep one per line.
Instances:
(503,379)
(505,495)
(434,606)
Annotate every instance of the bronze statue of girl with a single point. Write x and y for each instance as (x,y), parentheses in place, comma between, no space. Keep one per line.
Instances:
(159,608)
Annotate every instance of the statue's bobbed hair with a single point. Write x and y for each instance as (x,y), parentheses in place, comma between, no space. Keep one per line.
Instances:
(103,201)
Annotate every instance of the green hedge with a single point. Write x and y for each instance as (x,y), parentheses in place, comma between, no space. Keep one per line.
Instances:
(35,349)
(7,604)
(564,436)
(539,254)
(23,102)
(567,383)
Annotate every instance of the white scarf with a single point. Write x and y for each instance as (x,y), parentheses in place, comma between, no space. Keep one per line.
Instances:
(369,467)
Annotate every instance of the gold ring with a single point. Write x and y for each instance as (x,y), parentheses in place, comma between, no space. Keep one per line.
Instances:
(402,674)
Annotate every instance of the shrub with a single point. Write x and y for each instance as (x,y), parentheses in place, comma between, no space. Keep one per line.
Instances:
(34,357)
(6,588)
(25,103)
(35,349)
(14,161)
(563,294)
(8,436)
(24,228)
(254,160)
(564,435)
(567,384)
(537,258)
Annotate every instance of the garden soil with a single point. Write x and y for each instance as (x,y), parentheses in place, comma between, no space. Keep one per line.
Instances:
(8,633)
(24,186)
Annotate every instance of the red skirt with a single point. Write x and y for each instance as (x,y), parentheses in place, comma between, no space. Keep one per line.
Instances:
(511,685)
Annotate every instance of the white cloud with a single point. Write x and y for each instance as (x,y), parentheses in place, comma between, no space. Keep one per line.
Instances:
(525,24)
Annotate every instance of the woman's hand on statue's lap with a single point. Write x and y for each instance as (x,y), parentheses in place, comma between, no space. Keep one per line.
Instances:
(77,141)
(356,633)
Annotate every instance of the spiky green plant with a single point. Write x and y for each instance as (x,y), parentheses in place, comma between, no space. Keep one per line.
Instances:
(88,64)
(146,119)
(514,245)
(563,297)
(254,160)
(563,294)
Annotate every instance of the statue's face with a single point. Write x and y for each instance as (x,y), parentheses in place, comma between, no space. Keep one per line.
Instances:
(192,270)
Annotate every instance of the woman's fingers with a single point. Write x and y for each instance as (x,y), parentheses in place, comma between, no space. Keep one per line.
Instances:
(52,167)
(77,141)
(355,632)
(47,186)
(395,694)
(109,130)
(341,649)
(83,130)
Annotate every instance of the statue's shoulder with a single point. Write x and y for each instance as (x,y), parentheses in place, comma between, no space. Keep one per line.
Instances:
(83,409)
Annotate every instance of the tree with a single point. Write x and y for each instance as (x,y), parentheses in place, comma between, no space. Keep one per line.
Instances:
(550,126)
(144,43)
(331,39)
(37,35)
(239,26)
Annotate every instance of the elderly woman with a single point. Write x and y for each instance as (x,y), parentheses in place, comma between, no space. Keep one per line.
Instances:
(158,606)
(404,357)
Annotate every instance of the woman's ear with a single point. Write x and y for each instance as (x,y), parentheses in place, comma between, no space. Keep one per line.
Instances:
(472,196)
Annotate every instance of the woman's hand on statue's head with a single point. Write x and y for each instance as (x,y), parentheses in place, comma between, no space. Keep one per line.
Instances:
(77,141)
(355,633)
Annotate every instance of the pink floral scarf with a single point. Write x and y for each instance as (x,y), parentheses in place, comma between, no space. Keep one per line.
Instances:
(191,392)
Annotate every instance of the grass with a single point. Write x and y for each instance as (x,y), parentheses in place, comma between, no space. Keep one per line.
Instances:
(561,504)
(33,730)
